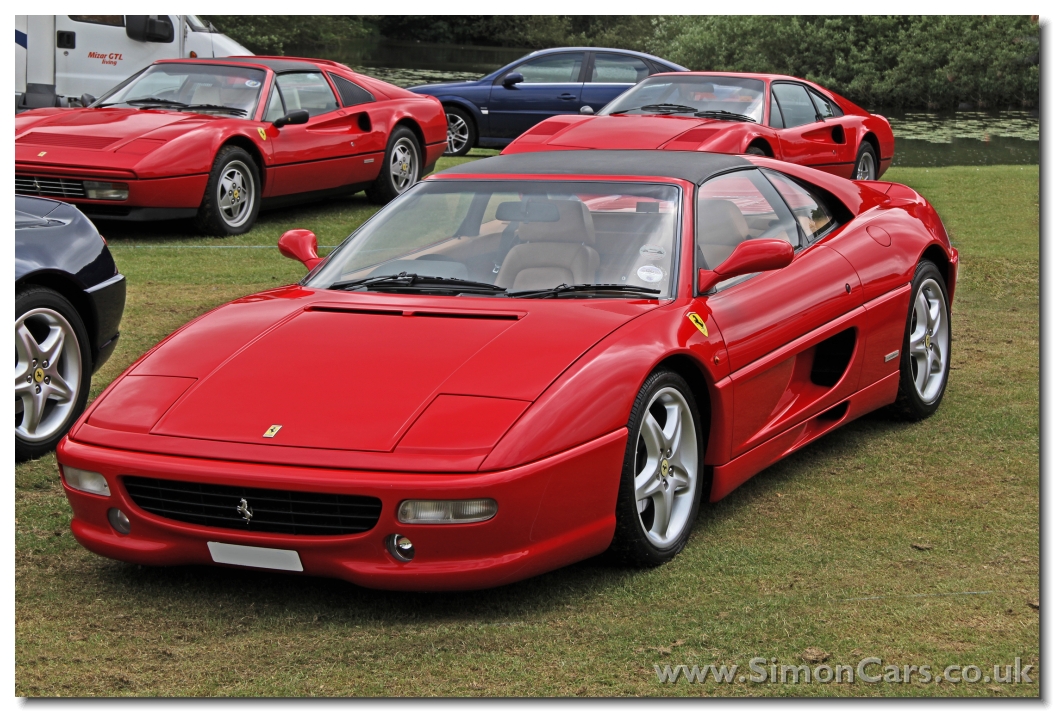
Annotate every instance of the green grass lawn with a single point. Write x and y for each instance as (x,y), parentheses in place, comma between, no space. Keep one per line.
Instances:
(914,543)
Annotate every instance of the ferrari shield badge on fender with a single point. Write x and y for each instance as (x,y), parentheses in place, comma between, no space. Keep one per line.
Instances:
(699,323)
(272,431)
(263,134)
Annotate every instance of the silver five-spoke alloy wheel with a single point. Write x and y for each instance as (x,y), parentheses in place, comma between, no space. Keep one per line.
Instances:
(928,341)
(456,134)
(865,167)
(403,165)
(235,193)
(47,373)
(667,464)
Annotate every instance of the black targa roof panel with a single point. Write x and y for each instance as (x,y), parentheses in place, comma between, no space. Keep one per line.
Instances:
(278,65)
(687,165)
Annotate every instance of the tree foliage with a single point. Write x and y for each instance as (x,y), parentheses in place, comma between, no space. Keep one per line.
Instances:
(927,62)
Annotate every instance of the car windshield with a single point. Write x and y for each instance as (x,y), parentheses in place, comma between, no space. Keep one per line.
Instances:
(693,93)
(520,237)
(222,89)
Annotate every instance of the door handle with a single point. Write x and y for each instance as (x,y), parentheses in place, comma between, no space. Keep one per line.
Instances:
(568,96)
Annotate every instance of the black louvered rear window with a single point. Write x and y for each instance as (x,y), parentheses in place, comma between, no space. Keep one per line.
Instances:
(351,94)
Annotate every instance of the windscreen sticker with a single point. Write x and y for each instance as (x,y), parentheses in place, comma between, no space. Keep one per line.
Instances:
(650,273)
(252,83)
(652,252)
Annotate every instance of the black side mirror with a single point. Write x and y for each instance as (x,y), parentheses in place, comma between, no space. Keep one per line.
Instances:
(511,78)
(147,28)
(87,99)
(300,116)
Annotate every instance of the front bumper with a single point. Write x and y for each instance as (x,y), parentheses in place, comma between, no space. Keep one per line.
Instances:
(551,513)
(154,199)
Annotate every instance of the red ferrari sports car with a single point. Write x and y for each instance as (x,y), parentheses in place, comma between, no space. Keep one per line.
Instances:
(517,364)
(214,139)
(762,114)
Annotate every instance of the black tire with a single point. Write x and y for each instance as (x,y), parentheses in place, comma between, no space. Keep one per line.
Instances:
(387,187)
(46,309)
(866,166)
(756,151)
(911,404)
(463,141)
(223,210)
(634,543)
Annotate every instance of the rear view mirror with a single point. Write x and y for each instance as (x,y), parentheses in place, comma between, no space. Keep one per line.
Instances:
(87,99)
(749,257)
(586,109)
(511,78)
(300,245)
(300,116)
(527,211)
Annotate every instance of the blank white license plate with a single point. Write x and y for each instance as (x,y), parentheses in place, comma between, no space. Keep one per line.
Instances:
(256,556)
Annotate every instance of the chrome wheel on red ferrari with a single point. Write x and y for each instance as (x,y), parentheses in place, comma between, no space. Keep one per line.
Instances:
(866,167)
(661,486)
(232,194)
(401,169)
(926,354)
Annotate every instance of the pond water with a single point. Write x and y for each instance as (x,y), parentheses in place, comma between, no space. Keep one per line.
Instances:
(964,138)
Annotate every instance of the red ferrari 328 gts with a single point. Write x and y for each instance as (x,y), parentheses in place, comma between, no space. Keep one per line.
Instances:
(213,139)
(519,363)
(761,114)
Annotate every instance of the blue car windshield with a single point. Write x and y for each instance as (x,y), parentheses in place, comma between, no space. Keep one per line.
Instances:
(659,94)
(519,235)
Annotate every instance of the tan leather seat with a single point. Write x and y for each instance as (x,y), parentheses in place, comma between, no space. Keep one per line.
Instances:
(553,253)
(721,228)
(206,94)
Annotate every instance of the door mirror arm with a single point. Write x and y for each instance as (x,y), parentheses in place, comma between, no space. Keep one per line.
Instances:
(750,256)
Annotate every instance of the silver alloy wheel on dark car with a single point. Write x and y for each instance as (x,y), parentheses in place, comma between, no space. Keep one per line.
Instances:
(457,134)
(48,373)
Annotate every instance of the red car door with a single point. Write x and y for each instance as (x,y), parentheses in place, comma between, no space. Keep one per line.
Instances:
(320,154)
(805,137)
(790,334)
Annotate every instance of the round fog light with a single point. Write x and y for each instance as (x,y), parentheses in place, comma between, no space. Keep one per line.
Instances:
(119,521)
(400,547)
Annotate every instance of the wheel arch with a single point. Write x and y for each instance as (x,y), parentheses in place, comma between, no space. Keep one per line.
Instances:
(763,144)
(869,137)
(68,288)
(936,254)
(415,128)
(253,150)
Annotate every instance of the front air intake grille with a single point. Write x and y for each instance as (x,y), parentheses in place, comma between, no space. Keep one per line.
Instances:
(49,187)
(275,511)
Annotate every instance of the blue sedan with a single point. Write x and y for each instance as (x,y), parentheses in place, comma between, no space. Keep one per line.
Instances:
(494,110)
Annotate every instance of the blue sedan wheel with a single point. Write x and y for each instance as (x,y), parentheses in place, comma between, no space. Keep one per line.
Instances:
(460,132)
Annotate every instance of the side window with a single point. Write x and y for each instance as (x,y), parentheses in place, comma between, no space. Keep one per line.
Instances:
(824,106)
(809,211)
(735,207)
(111,20)
(775,117)
(552,69)
(617,69)
(795,105)
(351,94)
(275,110)
(306,90)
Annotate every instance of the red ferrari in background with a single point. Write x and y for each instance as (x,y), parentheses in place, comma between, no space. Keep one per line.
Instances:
(763,114)
(216,139)
(517,364)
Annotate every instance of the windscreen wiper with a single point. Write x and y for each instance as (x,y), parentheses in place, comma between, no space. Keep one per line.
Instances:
(585,289)
(722,114)
(416,283)
(665,108)
(213,107)
(146,101)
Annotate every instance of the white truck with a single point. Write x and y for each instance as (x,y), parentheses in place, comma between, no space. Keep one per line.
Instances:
(61,60)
